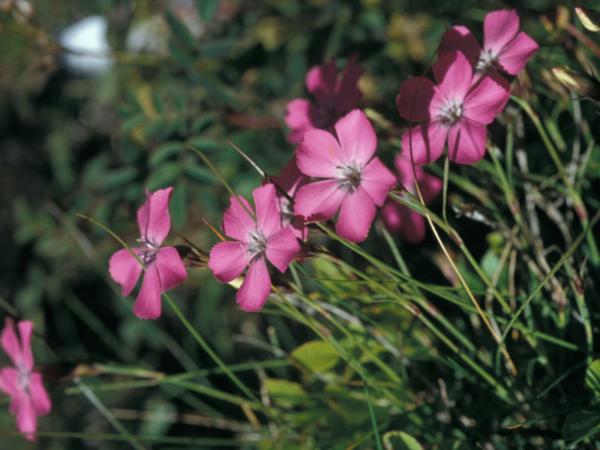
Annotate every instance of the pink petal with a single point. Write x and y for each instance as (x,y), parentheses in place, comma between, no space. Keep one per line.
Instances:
(357,138)
(282,247)
(459,38)
(39,395)
(9,382)
(26,417)
(321,81)
(426,141)
(405,170)
(153,217)
(499,28)
(515,55)
(319,200)
(10,342)
(237,221)
(170,268)
(228,260)
(454,74)
(25,331)
(466,142)
(319,154)
(256,286)
(356,216)
(377,180)
(297,118)
(391,216)
(148,302)
(413,225)
(417,100)
(431,186)
(125,270)
(348,95)
(268,217)
(290,178)
(485,101)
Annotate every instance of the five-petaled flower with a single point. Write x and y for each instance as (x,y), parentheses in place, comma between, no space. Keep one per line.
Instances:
(456,110)
(333,97)
(28,397)
(401,219)
(163,266)
(505,48)
(351,179)
(258,237)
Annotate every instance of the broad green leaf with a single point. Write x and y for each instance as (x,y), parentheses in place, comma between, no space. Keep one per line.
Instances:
(581,425)
(592,377)
(318,356)
(285,393)
(207,9)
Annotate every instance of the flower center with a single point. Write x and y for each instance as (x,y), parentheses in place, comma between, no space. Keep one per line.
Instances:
(148,252)
(349,178)
(257,245)
(487,60)
(286,209)
(451,113)
(23,377)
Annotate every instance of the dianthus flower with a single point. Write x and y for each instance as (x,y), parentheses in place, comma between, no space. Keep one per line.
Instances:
(162,266)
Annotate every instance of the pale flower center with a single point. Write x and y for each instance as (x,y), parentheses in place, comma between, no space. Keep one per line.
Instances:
(257,245)
(286,209)
(23,377)
(148,252)
(451,113)
(487,60)
(349,177)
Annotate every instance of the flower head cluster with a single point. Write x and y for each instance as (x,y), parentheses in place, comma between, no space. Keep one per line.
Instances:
(258,236)
(333,97)
(468,92)
(162,266)
(28,397)
(401,219)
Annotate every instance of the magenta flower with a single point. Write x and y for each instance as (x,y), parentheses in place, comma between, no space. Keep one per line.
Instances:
(455,110)
(258,236)
(333,97)
(290,180)
(352,180)
(401,219)
(162,266)
(28,397)
(504,46)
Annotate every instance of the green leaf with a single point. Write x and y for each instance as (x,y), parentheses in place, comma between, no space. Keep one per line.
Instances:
(581,425)
(180,31)
(285,393)
(164,176)
(592,377)
(207,9)
(399,440)
(164,152)
(318,356)
(179,205)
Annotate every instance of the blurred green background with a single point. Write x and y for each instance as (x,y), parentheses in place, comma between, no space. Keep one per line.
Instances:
(88,137)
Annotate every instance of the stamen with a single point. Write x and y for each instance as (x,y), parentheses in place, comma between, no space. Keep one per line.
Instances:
(487,60)
(349,178)
(451,113)
(257,245)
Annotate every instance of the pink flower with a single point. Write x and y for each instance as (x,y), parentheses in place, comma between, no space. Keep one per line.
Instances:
(333,97)
(290,180)
(28,397)
(401,219)
(504,47)
(455,110)
(352,180)
(258,236)
(163,267)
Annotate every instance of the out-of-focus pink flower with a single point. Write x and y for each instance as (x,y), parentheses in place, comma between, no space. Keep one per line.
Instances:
(455,110)
(290,180)
(505,48)
(162,266)
(258,236)
(351,179)
(401,219)
(28,397)
(333,97)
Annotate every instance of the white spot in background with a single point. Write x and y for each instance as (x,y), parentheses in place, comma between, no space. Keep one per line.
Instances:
(86,48)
